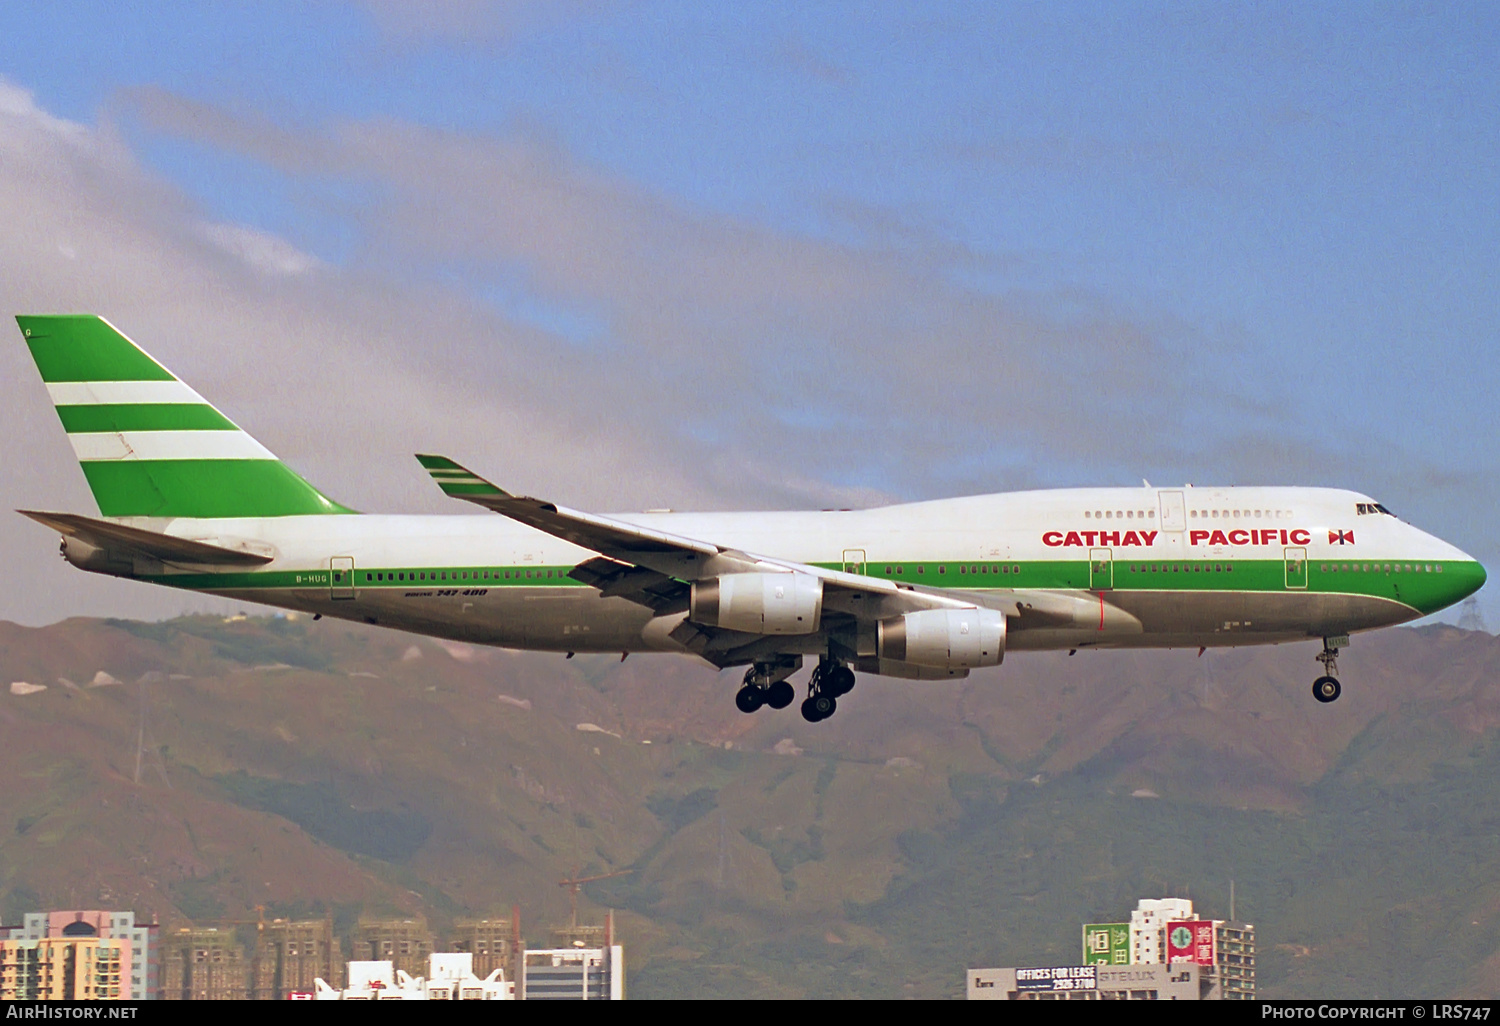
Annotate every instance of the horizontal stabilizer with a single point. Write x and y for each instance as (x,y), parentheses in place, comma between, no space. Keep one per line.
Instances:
(134,541)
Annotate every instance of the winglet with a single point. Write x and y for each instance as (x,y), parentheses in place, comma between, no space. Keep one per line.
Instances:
(457,481)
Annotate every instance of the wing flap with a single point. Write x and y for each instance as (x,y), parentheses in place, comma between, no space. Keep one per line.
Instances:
(656,591)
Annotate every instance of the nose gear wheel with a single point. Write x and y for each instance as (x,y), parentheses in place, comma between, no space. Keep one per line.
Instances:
(1327,688)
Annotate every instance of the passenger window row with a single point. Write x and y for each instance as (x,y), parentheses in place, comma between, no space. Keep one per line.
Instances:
(428,576)
(1115,514)
(1388,568)
(1178,568)
(899,569)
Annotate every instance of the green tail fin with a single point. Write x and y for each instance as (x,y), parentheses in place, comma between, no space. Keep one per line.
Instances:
(149,445)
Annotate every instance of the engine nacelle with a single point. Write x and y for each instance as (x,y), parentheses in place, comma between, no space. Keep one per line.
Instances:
(950,639)
(759,603)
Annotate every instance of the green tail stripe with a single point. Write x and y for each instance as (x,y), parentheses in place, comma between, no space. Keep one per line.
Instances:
(82,347)
(144,417)
(455,479)
(482,488)
(203,488)
(86,348)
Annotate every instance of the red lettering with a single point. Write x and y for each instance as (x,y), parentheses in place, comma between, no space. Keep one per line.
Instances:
(1072,539)
(1218,539)
(1149,536)
(1131,538)
(1194,537)
(1109,537)
(1283,536)
(1053,538)
(1300,537)
(1238,537)
(1089,536)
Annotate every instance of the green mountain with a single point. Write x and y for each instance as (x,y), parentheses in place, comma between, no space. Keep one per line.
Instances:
(197,769)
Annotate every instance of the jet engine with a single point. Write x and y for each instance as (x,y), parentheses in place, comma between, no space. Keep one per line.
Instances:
(950,639)
(790,603)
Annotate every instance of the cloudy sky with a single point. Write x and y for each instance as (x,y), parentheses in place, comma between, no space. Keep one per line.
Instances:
(695,255)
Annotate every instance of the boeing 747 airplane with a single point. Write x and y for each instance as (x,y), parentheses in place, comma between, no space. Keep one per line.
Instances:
(921,590)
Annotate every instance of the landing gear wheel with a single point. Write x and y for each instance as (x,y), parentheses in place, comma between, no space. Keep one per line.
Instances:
(1326,689)
(818,708)
(781,694)
(749,698)
(840,681)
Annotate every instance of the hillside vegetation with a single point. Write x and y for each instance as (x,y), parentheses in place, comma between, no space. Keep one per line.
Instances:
(309,767)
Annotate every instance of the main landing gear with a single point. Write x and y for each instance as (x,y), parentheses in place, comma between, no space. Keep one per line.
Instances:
(1326,688)
(767,684)
(829,680)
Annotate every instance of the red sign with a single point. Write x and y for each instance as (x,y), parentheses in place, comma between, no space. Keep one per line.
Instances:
(1191,940)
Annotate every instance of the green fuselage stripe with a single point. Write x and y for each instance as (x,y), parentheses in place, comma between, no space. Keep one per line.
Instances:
(143,417)
(1434,587)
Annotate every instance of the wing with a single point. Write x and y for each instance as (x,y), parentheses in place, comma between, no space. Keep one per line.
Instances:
(632,549)
(655,568)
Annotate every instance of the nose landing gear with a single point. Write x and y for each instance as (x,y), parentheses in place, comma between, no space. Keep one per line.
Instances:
(1327,688)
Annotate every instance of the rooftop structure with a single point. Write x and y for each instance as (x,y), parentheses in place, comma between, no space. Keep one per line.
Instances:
(450,977)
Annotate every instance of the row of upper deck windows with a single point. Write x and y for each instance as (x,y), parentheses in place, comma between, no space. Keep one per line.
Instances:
(1120,514)
(1243,514)
(1227,514)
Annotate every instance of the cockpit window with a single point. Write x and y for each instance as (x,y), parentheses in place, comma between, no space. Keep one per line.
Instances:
(1364,508)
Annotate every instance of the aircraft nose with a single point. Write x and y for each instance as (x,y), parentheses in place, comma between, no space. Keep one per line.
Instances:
(1463,579)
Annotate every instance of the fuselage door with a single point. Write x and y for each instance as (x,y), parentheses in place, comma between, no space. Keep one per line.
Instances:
(341,577)
(1101,569)
(1296,568)
(1173,511)
(854,561)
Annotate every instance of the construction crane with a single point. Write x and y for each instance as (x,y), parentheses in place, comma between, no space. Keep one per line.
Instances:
(575,884)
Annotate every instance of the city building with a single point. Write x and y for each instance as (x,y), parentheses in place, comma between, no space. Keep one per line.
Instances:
(1148,927)
(140,964)
(494,943)
(1182,982)
(85,968)
(205,964)
(405,943)
(574,974)
(291,954)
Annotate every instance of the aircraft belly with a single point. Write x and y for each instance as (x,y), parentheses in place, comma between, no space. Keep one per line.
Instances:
(1234,618)
(547,619)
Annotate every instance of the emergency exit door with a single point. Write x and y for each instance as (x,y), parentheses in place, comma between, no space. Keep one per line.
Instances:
(1101,569)
(341,577)
(1296,568)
